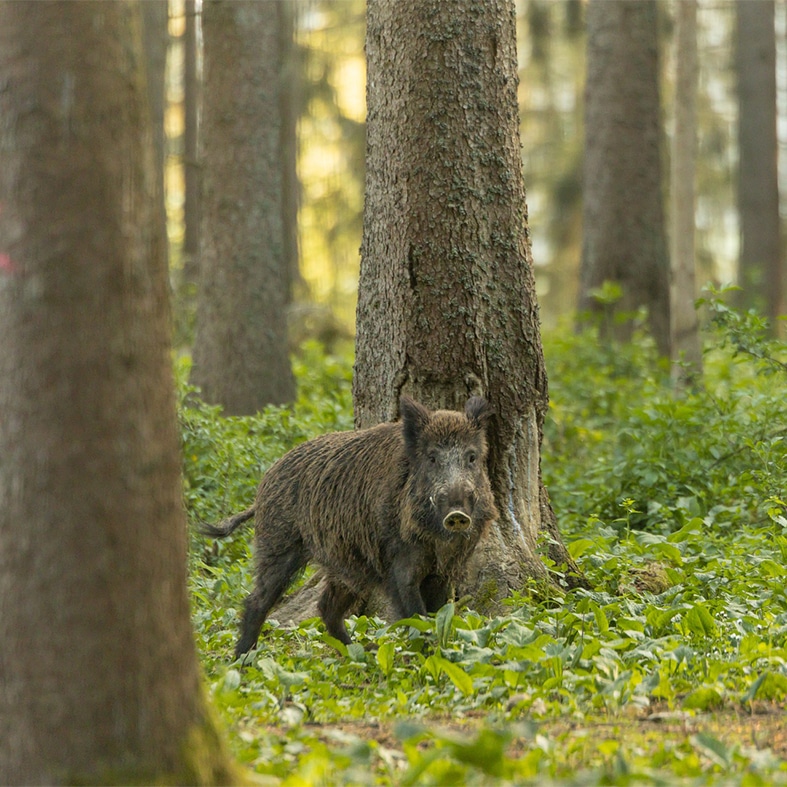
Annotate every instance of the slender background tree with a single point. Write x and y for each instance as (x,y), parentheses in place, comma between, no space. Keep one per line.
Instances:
(289,108)
(154,27)
(241,357)
(760,263)
(192,171)
(685,338)
(624,235)
(100,680)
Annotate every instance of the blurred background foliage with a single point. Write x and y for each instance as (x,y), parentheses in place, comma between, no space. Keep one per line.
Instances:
(330,91)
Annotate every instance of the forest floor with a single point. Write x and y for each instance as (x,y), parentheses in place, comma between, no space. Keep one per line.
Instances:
(763,729)
(629,748)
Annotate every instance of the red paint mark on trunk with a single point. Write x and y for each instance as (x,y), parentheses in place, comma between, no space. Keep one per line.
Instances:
(7,264)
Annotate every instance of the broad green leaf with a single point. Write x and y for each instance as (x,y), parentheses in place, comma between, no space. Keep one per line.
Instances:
(231,680)
(421,764)
(437,664)
(631,625)
(432,665)
(688,531)
(601,619)
(385,658)
(658,619)
(289,679)
(768,686)
(669,551)
(580,546)
(751,693)
(712,748)
(458,677)
(442,624)
(700,622)
(517,634)
(356,653)
(420,624)
(770,568)
(335,643)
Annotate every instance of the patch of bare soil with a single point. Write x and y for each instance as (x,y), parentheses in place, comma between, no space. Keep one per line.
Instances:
(763,727)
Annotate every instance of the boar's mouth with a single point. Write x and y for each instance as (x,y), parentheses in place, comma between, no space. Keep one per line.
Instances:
(457,521)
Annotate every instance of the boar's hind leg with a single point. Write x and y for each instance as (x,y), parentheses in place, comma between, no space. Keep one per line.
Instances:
(435,592)
(274,572)
(336,599)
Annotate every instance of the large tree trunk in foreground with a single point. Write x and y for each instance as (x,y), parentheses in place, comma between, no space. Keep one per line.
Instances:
(624,237)
(100,680)
(447,304)
(241,356)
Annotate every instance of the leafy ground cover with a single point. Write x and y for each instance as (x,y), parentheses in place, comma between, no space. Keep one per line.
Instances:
(671,670)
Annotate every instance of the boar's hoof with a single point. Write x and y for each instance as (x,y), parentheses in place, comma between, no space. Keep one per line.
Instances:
(457,522)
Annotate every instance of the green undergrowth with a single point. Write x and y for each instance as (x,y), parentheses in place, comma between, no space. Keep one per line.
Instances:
(671,670)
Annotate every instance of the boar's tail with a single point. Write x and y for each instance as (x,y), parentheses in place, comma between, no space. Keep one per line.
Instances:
(228,525)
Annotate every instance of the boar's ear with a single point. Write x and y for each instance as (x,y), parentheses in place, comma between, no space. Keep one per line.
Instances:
(478,410)
(414,418)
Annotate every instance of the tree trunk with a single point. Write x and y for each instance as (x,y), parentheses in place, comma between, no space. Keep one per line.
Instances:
(624,238)
(100,680)
(446,303)
(155,40)
(241,358)
(191,164)
(686,344)
(760,262)
(289,108)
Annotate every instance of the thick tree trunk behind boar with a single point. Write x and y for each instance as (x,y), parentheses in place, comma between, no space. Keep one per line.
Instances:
(447,305)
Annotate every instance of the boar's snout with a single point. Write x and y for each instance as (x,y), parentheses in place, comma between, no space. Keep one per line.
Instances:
(454,507)
(457,522)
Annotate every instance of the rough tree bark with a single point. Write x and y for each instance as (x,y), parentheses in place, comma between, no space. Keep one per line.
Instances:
(760,263)
(155,40)
(289,107)
(100,679)
(241,357)
(685,344)
(447,304)
(624,235)
(192,170)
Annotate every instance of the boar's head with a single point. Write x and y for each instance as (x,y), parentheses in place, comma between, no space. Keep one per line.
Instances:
(446,452)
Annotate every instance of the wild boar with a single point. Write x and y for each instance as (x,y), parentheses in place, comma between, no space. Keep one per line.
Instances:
(399,507)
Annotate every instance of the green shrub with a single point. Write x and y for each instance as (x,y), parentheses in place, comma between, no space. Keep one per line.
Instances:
(224,457)
(620,445)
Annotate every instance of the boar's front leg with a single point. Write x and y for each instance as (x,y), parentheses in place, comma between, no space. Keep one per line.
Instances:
(435,592)
(404,583)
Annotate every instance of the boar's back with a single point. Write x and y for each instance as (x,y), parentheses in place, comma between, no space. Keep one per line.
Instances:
(341,491)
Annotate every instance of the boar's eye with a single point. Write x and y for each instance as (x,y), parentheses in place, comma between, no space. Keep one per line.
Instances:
(432,457)
(471,457)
